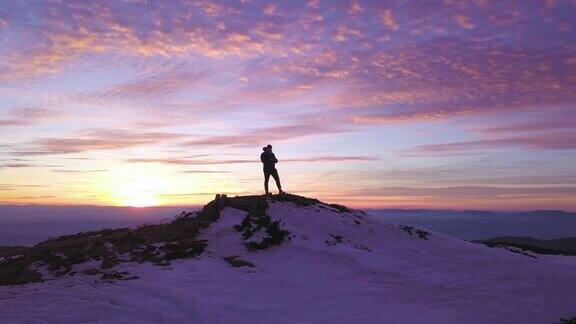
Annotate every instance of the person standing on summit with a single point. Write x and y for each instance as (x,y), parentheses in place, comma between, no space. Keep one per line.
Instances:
(269,161)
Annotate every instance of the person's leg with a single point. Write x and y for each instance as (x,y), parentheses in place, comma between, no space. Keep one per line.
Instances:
(266,178)
(277,179)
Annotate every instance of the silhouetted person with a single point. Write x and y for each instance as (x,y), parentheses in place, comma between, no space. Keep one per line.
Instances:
(269,161)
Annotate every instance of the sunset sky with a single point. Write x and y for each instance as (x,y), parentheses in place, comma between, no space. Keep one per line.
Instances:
(432,104)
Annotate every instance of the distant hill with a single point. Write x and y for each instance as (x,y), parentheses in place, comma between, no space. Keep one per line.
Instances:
(565,246)
(478,225)
(31,224)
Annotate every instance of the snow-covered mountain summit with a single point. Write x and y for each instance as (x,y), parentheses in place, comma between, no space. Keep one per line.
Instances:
(280,259)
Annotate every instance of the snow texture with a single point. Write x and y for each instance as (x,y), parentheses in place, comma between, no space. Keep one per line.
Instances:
(338,268)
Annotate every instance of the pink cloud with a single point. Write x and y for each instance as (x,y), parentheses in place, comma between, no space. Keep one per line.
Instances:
(388,20)
(463,21)
(480,191)
(97,140)
(29,116)
(13,122)
(461,192)
(464,73)
(558,140)
(78,171)
(262,136)
(154,86)
(204,171)
(546,123)
(255,160)
(17,165)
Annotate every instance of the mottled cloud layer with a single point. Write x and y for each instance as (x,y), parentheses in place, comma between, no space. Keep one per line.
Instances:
(129,81)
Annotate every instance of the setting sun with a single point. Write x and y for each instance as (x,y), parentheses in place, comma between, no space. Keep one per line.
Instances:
(139,199)
(140,193)
(139,187)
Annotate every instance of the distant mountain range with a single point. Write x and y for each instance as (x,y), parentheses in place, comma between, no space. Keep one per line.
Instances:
(477,224)
(565,246)
(27,225)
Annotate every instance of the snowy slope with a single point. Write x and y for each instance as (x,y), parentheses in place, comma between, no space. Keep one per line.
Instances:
(339,267)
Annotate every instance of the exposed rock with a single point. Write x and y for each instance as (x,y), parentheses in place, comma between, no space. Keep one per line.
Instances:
(235,261)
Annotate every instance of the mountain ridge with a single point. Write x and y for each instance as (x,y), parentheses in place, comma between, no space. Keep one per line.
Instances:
(288,259)
(558,246)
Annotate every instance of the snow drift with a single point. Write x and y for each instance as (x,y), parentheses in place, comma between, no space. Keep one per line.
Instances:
(281,259)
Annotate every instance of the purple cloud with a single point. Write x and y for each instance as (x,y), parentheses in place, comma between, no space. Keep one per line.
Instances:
(17,165)
(28,116)
(185,161)
(95,140)
(261,136)
(204,171)
(34,114)
(400,62)
(78,171)
(153,86)
(460,191)
(13,122)
(558,140)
